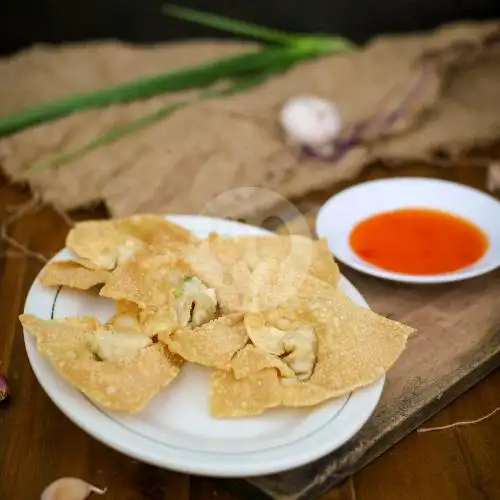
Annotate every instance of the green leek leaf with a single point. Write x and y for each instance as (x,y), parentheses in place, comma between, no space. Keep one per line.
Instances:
(107,137)
(335,43)
(231,25)
(182,79)
(119,131)
(244,71)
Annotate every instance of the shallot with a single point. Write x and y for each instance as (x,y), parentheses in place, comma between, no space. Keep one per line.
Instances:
(4,388)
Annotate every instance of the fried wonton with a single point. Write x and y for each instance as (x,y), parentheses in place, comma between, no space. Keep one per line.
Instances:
(120,371)
(159,280)
(212,344)
(230,265)
(107,243)
(355,347)
(288,336)
(72,274)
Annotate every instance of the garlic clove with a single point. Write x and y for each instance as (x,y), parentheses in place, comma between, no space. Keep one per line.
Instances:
(4,388)
(493,178)
(70,488)
(311,121)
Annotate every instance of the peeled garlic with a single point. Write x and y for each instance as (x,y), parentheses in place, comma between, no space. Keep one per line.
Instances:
(312,122)
(70,488)
(493,178)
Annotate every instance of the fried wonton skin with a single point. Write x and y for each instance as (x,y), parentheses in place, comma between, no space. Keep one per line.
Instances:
(251,360)
(212,344)
(158,279)
(263,311)
(231,265)
(72,274)
(149,277)
(126,317)
(355,346)
(230,398)
(120,371)
(107,243)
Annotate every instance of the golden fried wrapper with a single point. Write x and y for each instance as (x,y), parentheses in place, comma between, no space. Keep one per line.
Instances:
(212,344)
(251,360)
(355,347)
(263,311)
(109,345)
(248,396)
(191,303)
(126,317)
(149,278)
(159,280)
(230,265)
(126,384)
(275,286)
(107,243)
(86,263)
(65,334)
(71,274)
(287,334)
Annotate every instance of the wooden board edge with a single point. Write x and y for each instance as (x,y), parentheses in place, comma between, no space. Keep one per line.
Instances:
(410,425)
(255,490)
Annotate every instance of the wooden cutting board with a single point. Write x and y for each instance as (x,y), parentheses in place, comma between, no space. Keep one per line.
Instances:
(456,345)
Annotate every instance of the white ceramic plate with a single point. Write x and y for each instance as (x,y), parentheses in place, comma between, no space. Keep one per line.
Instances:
(342,212)
(175,430)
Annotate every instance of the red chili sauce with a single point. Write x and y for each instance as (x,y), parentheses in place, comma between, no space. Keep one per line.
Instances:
(418,241)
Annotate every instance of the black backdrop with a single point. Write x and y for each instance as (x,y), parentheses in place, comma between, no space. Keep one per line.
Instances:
(23,22)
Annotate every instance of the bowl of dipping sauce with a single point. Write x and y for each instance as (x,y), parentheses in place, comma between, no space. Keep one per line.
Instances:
(413,229)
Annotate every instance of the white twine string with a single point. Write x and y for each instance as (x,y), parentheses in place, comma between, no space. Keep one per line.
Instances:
(459,424)
(352,488)
(64,216)
(17,212)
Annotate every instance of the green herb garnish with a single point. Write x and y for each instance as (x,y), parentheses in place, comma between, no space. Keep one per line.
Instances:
(187,278)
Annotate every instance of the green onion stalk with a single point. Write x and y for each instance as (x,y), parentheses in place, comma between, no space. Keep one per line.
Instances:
(241,71)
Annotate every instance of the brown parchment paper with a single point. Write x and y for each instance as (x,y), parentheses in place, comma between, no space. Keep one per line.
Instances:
(228,157)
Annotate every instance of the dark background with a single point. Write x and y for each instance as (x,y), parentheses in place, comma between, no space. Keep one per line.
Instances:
(23,22)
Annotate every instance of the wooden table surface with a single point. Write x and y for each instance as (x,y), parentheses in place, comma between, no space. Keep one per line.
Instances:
(38,444)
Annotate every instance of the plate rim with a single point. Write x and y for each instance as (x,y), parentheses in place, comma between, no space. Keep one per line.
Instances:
(367,398)
(372,270)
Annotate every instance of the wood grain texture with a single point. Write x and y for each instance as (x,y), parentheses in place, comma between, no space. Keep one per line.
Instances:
(456,345)
(462,322)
